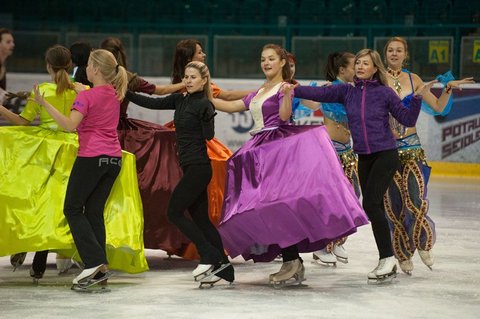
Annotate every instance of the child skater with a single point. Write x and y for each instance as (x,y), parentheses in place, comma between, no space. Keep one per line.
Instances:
(94,115)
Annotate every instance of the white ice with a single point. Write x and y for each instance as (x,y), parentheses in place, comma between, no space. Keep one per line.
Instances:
(451,290)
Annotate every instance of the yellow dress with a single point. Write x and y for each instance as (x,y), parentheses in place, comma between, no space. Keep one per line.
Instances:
(35,165)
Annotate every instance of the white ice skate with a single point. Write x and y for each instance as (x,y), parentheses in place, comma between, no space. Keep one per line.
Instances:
(87,274)
(291,273)
(94,283)
(224,271)
(385,271)
(406,266)
(202,271)
(63,264)
(341,254)
(427,257)
(324,258)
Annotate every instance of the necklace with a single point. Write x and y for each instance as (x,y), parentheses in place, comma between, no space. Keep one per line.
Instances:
(395,75)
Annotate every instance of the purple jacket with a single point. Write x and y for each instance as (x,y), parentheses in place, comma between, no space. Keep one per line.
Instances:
(368,105)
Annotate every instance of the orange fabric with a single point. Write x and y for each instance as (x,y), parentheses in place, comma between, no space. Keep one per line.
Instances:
(215,90)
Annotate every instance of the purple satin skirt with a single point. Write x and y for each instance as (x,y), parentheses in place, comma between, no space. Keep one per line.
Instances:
(286,186)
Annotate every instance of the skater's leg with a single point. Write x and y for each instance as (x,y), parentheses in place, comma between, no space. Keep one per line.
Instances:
(350,168)
(423,228)
(376,172)
(86,175)
(199,213)
(94,207)
(39,263)
(399,218)
(192,185)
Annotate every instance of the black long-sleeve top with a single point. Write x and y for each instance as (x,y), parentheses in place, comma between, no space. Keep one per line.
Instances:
(193,118)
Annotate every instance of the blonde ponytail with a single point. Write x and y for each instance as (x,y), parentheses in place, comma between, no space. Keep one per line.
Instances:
(111,71)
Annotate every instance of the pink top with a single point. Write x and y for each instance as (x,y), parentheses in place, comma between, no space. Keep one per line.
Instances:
(97,133)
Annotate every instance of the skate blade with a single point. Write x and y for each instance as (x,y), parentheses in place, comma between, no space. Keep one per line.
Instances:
(318,262)
(203,275)
(406,272)
(284,284)
(92,282)
(210,285)
(91,290)
(342,260)
(209,273)
(387,279)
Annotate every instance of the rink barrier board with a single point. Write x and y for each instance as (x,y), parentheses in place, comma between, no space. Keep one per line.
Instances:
(455,169)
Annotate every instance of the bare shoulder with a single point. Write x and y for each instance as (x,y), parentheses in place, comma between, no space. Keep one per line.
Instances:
(417,81)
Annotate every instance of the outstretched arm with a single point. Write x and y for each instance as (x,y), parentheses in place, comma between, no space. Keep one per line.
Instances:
(327,94)
(67,123)
(232,95)
(155,103)
(13,118)
(408,116)
(229,106)
(439,104)
(168,89)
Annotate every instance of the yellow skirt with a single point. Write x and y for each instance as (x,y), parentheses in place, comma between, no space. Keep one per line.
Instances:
(35,166)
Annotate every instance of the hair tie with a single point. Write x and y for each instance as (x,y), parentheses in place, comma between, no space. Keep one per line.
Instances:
(116,68)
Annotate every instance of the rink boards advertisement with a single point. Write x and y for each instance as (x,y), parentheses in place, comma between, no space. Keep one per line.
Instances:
(454,137)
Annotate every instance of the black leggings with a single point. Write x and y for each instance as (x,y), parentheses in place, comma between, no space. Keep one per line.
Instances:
(88,189)
(39,263)
(375,172)
(191,194)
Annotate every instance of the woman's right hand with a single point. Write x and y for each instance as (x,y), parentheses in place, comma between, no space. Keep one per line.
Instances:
(287,89)
(37,96)
(423,90)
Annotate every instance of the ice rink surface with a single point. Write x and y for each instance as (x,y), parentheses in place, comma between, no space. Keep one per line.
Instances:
(451,290)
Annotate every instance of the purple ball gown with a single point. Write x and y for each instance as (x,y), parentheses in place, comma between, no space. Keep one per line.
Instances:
(285,186)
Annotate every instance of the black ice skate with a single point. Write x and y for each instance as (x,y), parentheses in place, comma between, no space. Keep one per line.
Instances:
(223,271)
(17,260)
(94,284)
(210,259)
(36,276)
